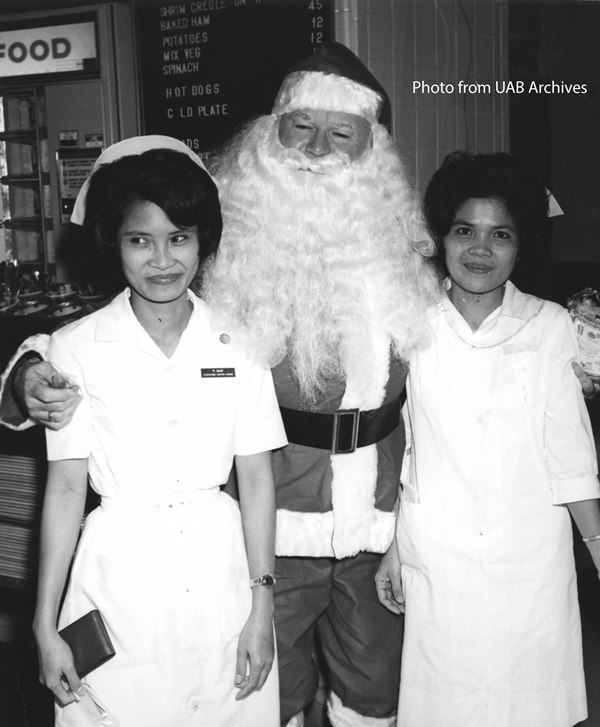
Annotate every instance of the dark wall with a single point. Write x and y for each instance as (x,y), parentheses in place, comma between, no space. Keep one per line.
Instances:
(558,133)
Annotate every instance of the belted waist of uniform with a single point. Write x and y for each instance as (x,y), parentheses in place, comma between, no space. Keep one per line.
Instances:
(342,431)
(163,502)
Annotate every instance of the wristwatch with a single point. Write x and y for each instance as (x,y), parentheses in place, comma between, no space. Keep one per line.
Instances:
(265,580)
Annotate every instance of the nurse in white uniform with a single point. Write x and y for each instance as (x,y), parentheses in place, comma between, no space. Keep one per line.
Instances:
(181,574)
(502,452)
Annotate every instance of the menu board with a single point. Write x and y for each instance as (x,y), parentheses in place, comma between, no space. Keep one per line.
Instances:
(207,66)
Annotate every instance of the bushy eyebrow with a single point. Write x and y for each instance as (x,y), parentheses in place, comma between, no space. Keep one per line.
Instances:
(307,117)
(301,115)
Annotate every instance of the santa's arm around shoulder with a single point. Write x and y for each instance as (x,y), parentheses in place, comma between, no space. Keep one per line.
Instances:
(32,391)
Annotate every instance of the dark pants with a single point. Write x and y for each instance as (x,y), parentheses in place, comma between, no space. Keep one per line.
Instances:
(361,641)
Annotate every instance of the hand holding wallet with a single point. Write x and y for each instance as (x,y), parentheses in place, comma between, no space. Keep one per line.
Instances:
(89,641)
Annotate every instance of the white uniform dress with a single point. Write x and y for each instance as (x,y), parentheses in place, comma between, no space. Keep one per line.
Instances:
(501,439)
(163,557)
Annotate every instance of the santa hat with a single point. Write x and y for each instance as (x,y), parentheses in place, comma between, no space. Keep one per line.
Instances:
(334,79)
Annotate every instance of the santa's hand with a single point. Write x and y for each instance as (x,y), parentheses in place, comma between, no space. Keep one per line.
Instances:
(589,388)
(388,581)
(49,396)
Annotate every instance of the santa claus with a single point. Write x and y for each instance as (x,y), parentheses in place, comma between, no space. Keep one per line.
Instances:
(321,270)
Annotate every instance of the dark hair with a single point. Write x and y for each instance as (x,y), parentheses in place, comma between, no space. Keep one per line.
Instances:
(499,176)
(170,179)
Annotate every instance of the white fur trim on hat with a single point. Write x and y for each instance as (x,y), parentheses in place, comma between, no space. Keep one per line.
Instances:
(327,91)
(128,147)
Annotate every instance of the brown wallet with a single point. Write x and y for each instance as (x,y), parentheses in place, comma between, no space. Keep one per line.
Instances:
(89,642)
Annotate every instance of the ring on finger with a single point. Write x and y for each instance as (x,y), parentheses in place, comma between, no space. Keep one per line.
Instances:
(50,416)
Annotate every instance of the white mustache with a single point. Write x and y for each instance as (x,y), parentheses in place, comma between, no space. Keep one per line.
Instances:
(327,164)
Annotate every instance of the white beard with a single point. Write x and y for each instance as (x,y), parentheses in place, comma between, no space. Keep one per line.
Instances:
(311,264)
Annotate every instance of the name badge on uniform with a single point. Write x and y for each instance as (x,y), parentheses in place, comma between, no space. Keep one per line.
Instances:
(509,348)
(217,373)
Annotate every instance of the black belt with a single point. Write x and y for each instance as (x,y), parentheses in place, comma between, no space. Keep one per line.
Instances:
(344,430)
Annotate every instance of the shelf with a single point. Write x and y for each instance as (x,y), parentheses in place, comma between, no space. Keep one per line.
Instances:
(29,136)
(25,184)
(26,223)
(33,178)
(20,179)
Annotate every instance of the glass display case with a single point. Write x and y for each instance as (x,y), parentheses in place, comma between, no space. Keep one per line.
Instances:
(25,201)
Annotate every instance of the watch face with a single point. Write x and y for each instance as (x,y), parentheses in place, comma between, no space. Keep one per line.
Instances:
(268,581)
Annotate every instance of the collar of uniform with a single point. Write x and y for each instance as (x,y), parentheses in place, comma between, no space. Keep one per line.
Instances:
(521,306)
(117,321)
(515,304)
(516,310)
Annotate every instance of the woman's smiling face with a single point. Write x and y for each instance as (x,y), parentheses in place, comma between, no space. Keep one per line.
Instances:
(481,247)
(159,259)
